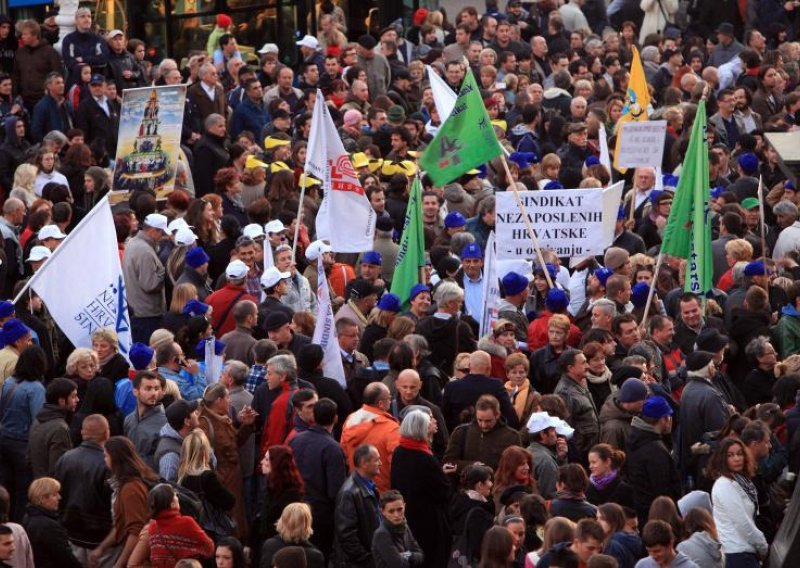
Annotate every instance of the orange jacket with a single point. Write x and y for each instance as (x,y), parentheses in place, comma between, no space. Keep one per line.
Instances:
(371,425)
(340,275)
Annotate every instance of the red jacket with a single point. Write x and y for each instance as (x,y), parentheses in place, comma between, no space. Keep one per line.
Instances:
(279,422)
(537,332)
(222,302)
(174,536)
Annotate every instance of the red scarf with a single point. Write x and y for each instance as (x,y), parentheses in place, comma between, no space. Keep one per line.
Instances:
(418,445)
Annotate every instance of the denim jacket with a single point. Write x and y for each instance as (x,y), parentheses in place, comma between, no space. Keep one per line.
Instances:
(18,410)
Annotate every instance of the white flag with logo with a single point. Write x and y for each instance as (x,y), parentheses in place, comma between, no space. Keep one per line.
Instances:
(82,285)
(443,96)
(345,218)
(491,288)
(325,330)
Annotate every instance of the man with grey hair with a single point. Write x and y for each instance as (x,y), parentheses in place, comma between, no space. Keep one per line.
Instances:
(84,46)
(446,333)
(10,224)
(239,343)
(603,313)
(281,377)
(210,154)
(786,236)
(144,278)
(206,96)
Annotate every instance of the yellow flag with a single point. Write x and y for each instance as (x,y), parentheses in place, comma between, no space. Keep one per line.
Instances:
(637,101)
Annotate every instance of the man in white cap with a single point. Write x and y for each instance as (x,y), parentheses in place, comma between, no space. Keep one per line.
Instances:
(37,257)
(50,236)
(549,451)
(144,278)
(309,47)
(224,299)
(313,252)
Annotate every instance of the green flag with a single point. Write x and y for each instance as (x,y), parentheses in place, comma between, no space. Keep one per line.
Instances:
(411,256)
(465,141)
(688,231)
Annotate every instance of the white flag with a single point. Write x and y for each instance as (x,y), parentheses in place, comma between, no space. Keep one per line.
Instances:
(325,330)
(491,287)
(345,218)
(82,285)
(605,157)
(443,96)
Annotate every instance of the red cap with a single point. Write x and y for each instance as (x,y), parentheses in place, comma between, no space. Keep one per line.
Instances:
(419,16)
(334,50)
(224,21)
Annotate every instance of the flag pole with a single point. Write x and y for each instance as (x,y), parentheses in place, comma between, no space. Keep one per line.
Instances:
(527,220)
(299,217)
(761,218)
(652,290)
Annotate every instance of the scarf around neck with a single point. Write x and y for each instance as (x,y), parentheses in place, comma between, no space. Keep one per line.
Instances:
(748,487)
(417,445)
(601,482)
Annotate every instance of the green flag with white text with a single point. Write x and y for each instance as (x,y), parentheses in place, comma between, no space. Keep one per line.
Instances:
(465,141)
(688,231)
(411,256)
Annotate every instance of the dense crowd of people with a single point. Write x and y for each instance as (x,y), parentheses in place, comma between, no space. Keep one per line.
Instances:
(580,431)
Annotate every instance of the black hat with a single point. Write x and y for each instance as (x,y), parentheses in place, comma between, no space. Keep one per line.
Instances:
(275,320)
(179,411)
(698,360)
(360,288)
(384,223)
(367,41)
(622,374)
(513,494)
(711,340)
(309,358)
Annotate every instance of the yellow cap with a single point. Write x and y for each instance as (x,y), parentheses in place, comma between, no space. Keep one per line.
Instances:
(253,163)
(413,153)
(360,160)
(308,181)
(501,124)
(406,167)
(473,172)
(375,165)
(275,167)
(271,142)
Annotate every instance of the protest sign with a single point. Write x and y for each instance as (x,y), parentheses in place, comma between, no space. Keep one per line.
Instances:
(573,222)
(149,140)
(641,144)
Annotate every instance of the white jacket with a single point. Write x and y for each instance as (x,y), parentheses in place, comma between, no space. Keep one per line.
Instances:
(654,21)
(734,514)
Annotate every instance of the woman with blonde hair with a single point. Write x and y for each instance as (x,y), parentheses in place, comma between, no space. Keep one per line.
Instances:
(294,529)
(105,344)
(48,537)
(523,396)
(95,393)
(382,317)
(401,327)
(461,366)
(177,317)
(24,178)
(556,530)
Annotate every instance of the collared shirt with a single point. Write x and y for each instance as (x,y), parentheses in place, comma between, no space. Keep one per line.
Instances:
(641,197)
(255,377)
(349,357)
(473,295)
(210,91)
(102,102)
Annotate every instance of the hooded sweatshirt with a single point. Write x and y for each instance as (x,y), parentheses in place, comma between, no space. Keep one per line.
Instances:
(788,331)
(703,550)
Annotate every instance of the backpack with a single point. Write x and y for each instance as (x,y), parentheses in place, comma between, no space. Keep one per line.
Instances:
(190,503)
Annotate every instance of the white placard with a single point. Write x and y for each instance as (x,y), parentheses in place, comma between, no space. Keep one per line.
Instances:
(568,221)
(642,144)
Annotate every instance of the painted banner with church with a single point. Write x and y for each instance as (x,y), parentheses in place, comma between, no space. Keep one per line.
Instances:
(148,149)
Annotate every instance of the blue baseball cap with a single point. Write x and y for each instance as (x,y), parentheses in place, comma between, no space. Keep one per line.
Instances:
(639,294)
(656,407)
(755,268)
(748,162)
(514,283)
(551,270)
(591,161)
(14,330)
(141,356)
(603,274)
(195,308)
(524,159)
(200,348)
(372,257)
(196,257)
(717,191)
(788,184)
(472,250)
(654,195)
(556,300)
(669,180)
(454,219)
(7,309)
(553,185)
(390,302)
(416,290)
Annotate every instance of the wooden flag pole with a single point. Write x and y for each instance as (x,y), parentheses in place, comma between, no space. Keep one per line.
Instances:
(761,219)
(652,290)
(536,247)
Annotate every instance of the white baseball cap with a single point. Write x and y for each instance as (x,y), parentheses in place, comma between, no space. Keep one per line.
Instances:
(157,221)
(39,253)
(254,231)
(308,41)
(179,223)
(272,276)
(541,421)
(236,270)
(268,48)
(316,249)
(274,226)
(50,232)
(564,429)
(185,237)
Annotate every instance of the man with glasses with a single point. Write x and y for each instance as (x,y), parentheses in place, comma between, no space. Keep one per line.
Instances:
(729,126)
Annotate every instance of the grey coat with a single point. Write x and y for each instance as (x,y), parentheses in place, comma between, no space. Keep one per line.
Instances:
(703,550)
(144,278)
(145,432)
(703,409)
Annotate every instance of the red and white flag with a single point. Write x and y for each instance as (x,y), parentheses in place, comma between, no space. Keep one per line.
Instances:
(345,218)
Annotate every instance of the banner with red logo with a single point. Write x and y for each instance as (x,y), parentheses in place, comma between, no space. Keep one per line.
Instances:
(345,218)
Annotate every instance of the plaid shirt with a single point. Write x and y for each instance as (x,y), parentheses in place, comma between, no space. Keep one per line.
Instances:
(255,377)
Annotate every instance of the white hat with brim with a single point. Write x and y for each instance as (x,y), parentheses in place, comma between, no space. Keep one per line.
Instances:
(272,276)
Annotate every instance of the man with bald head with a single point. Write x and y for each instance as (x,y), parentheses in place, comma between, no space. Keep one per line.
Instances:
(10,224)
(463,393)
(644,182)
(407,386)
(373,424)
(85,496)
